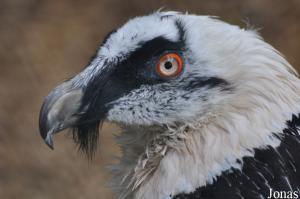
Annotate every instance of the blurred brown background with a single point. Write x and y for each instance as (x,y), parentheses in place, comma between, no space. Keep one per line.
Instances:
(44,42)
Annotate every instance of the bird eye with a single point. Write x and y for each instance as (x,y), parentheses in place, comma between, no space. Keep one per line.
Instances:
(169,65)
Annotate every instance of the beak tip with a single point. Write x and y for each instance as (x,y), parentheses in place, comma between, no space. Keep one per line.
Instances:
(50,145)
(49,141)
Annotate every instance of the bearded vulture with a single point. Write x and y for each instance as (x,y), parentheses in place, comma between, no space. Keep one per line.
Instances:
(207,110)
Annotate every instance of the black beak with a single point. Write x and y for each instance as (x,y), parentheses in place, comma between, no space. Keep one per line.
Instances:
(59,111)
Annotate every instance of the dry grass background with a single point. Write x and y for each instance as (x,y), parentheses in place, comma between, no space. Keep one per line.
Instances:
(44,42)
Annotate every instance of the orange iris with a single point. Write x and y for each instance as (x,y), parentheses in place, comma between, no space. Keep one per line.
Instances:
(169,65)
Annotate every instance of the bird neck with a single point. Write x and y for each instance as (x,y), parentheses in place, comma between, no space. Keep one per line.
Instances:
(162,162)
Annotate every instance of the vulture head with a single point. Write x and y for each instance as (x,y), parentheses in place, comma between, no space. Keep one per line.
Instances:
(183,88)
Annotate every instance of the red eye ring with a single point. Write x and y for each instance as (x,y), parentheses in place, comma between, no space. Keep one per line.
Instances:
(169,65)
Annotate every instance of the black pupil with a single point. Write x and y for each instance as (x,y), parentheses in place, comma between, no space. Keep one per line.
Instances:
(168,65)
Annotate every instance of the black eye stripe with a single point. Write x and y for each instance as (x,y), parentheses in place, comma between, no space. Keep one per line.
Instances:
(209,82)
(155,47)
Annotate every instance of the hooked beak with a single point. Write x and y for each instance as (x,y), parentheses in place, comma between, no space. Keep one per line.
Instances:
(60,110)
(81,104)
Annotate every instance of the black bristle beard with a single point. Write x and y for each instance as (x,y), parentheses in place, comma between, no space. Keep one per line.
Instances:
(86,136)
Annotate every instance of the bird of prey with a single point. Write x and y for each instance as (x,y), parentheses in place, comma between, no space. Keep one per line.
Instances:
(207,110)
